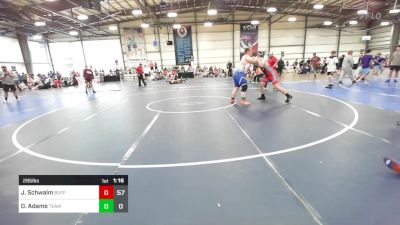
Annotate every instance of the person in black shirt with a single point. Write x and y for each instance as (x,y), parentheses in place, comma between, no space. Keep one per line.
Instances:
(229,67)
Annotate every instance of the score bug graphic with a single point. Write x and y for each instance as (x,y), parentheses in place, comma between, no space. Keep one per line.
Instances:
(73,194)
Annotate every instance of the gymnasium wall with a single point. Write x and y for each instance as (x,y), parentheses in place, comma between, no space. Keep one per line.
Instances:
(380,39)
(40,57)
(215,43)
(11,54)
(212,45)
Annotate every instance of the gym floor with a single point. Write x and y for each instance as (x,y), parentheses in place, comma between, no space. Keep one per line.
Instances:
(192,158)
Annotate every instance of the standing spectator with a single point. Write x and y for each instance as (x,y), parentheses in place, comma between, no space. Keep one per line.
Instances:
(229,68)
(8,83)
(89,76)
(331,63)
(151,65)
(394,64)
(281,66)
(102,76)
(146,71)
(139,71)
(272,60)
(347,67)
(315,64)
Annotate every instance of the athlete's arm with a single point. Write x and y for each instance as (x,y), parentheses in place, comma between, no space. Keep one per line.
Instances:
(250,59)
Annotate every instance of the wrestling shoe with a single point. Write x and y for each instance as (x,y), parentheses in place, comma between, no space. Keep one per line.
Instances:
(387,81)
(392,164)
(395,80)
(244,103)
(288,98)
(261,98)
(340,82)
(232,101)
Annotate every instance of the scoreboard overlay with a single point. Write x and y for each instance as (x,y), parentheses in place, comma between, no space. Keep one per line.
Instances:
(73,194)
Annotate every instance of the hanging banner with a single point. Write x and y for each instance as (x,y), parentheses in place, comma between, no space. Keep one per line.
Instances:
(248,38)
(183,45)
(134,47)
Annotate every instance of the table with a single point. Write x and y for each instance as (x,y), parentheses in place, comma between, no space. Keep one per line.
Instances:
(73,194)
(111,78)
(185,75)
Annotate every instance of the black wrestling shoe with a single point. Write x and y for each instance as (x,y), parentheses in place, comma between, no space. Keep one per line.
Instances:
(340,82)
(288,98)
(329,86)
(261,98)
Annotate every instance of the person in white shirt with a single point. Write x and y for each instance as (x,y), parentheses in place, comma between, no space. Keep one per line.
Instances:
(331,62)
(347,68)
(239,77)
(146,71)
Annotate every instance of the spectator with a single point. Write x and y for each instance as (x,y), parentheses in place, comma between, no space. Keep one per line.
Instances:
(272,60)
(229,68)
(8,83)
(280,66)
(139,71)
(88,75)
(315,64)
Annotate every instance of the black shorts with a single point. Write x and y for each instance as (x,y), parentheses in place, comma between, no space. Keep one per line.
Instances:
(6,88)
(397,68)
(330,73)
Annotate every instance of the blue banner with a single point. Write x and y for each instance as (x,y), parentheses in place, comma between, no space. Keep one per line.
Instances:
(183,45)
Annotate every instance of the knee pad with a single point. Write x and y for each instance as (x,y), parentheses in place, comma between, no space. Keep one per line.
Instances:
(244,88)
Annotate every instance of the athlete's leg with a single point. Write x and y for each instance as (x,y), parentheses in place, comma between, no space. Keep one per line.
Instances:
(233,95)
(341,76)
(243,91)
(330,80)
(283,91)
(263,85)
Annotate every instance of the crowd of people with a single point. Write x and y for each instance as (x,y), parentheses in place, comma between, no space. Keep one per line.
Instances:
(333,66)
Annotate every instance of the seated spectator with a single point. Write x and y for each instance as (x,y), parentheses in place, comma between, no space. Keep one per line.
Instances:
(56,83)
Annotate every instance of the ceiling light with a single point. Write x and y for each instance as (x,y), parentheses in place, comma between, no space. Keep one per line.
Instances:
(327,23)
(255,22)
(292,19)
(112,27)
(353,22)
(40,23)
(208,24)
(393,11)
(137,12)
(37,37)
(362,12)
(212,12)
(82,17)
(73,32)
(385,23)
(318,6)
(366,38)
(172,14)
(145,25)
(271,9)
(176,26)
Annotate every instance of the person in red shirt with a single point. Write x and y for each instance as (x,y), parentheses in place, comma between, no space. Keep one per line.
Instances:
(88,75)
(315,64)
(272,60)
(139,71)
